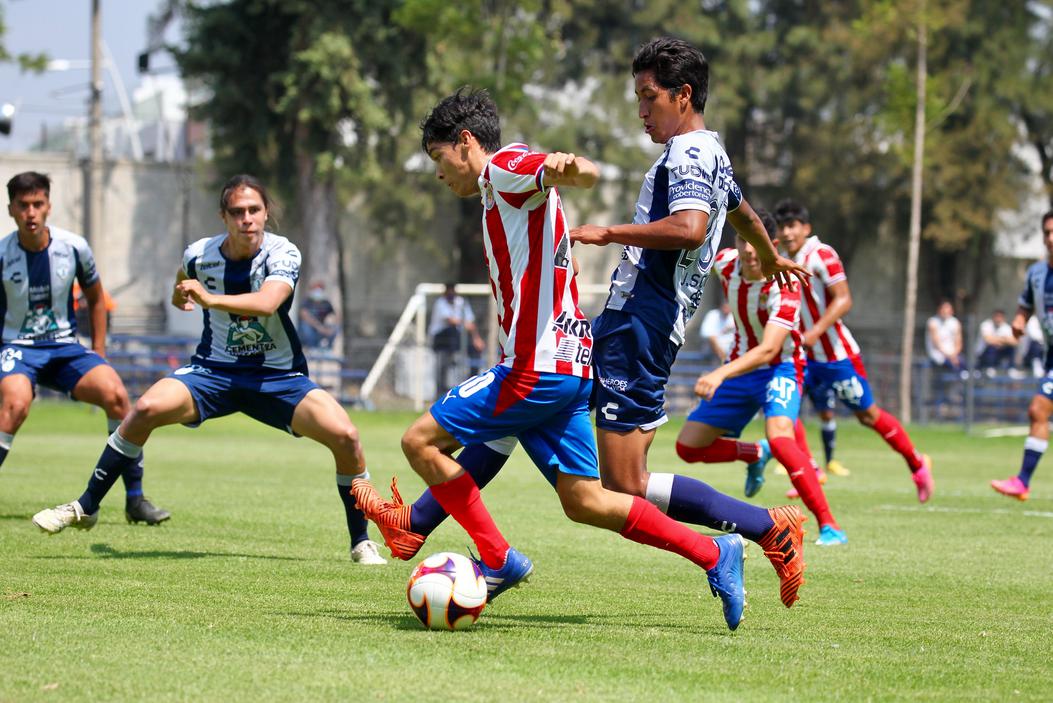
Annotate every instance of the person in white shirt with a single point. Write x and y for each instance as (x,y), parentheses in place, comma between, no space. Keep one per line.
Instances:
(718,330)
(943,338)
(451,320)
(996,345)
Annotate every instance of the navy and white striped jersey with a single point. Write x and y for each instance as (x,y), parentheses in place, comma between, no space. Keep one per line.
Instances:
(1038,298)
(244,341)
(664,287)
(36,298)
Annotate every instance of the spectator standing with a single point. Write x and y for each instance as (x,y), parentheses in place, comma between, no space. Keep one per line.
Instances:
(943,338)
(452,324)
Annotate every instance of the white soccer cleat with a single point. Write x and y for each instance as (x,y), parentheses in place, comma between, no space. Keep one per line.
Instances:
(367,552)
(55,520)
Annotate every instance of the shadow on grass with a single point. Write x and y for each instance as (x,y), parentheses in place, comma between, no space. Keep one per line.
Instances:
(406,621)
(105,551)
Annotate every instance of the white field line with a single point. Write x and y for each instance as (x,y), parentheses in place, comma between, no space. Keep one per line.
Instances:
(983,511)
(1020,431)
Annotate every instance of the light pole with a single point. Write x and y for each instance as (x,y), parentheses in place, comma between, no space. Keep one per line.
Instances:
(93,168)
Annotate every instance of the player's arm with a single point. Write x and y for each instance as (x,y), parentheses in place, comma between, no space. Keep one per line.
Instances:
(748,224)
(684,229)
(770,344)
(261,303)
(97,313)
(838,304)
(563,169)
(1019,323)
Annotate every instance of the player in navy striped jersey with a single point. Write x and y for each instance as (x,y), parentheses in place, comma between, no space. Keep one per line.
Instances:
(249,360)
(667,254)
(39,264)
(1037,300)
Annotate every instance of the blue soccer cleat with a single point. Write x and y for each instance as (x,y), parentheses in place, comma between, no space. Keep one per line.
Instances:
(516,570)
(725,579)
(755,471)
(830,536)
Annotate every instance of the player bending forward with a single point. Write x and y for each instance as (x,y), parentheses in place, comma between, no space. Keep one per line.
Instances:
(249,360)
(539,392)
(762,372)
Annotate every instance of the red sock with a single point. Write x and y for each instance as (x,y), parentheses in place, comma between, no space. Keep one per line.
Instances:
(648,525)
(461,499)
(720,451)
(889,428)
(799,466)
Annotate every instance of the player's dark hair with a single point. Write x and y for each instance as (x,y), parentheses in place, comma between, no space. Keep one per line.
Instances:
(675,63)
(788,210)
(28,182)
(1047,216)
(768,221)
(244,180)
(473,110)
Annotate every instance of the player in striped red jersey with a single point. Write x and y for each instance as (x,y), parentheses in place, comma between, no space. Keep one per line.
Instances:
(540,389)
(835,367)
(763,372)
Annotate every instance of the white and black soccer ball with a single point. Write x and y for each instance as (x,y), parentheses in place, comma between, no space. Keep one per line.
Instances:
(447,591)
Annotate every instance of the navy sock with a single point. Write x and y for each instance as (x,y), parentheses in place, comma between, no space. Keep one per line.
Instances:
(1033,450)
(356,521)
(5,445)
(829,431)
(481,462)
(133,475)
(118,456)
(689,500)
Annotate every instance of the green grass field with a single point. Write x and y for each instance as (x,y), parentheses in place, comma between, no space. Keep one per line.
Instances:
(248,593)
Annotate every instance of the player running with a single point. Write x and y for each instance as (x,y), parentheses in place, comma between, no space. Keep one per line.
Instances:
(540,389)
(762,372)
(249,360)
(39,264)
(835,367)
(1037,299)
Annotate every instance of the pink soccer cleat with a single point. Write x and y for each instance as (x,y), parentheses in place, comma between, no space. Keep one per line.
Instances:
(1012,487)
(923,479)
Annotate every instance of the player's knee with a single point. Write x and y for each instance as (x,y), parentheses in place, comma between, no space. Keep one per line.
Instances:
(581,508)
(1037,411)
(16,408)
(413,443)
(145,412)
(348,438)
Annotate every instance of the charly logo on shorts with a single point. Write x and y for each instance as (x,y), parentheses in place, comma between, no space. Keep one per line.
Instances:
(191,368)
(246,336)
(8,358)
(615,384)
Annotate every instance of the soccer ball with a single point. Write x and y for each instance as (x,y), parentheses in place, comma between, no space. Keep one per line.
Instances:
(446,591)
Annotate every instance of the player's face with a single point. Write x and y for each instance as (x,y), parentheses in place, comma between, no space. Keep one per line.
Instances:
(30,212)
(246,217)
(663,116)
(751,267)
(792,235)
(1047,236)
(453,166)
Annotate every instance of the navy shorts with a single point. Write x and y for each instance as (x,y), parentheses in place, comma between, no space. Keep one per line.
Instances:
(267,395)
(547,412)
(774,389)
(844,380)
(55,365)
(632,363)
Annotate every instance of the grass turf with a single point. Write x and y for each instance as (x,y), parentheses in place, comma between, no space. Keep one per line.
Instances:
(249,594)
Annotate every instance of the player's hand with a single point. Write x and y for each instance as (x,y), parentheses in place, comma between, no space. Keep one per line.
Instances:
(810,338)
(589,234)
(180,301)
(707,384)
(1019,329)
(194,292)
(558,163)
(786,272)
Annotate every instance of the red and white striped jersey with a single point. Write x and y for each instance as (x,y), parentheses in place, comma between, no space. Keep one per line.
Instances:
(528,253)
(825,265)
(754,304)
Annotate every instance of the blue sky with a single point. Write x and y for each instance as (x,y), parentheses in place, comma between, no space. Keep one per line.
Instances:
(62,30)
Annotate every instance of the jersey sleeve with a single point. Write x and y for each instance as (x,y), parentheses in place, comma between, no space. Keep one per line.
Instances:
(827,267)
(691,176)
(517,176)
(784,306)
(283,263)
(191,255)
(87,274)
(1027,297)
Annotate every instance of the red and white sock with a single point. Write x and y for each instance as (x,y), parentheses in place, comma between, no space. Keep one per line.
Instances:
(460,498)
(648,525)
(722,450)
(892,432)
(800,468)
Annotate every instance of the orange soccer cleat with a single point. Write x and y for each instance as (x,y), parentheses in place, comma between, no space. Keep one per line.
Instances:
(784,547)
(391,518)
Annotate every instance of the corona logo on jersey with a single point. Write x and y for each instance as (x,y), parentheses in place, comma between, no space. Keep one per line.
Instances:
(246,336)
(39,320)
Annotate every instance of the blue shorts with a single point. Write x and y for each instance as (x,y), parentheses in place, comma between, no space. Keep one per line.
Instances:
(270,395)
(775,389)
(56,365)
(844,380)
(632,363)
(547,412)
